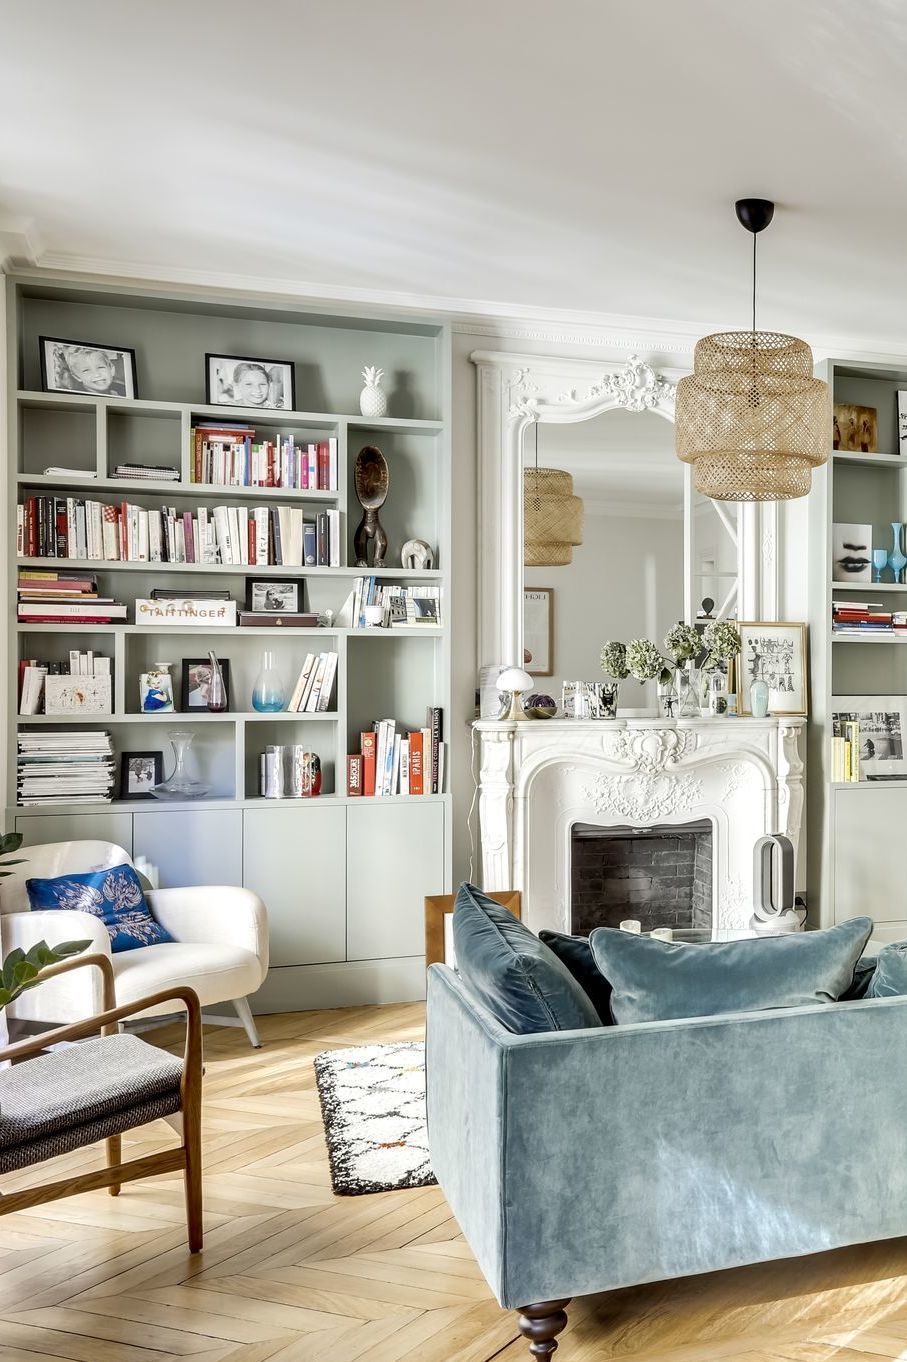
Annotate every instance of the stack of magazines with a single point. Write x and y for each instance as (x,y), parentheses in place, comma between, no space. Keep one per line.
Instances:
(73,767)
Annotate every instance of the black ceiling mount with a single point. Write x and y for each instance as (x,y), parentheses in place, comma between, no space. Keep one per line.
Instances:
(754,214)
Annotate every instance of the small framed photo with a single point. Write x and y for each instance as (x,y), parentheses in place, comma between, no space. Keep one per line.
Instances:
(232,381)
(538,631)
(196,682)
(273,598)
(855,428)
(774,652)
(69,366)
(902,421)
(139,773)
(851,559)
(156,692)
(882,723)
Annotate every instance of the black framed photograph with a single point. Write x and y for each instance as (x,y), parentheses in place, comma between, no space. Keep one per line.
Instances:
(139,773)
(275,598)
(234,381)
(195,690)
(71,366)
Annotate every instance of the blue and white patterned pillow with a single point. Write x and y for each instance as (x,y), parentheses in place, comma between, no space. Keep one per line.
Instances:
(114,895)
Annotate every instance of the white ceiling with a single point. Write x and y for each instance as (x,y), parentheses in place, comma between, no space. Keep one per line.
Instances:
(510,156)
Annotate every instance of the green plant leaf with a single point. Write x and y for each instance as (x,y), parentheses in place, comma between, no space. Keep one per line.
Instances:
(10,841)
(10,964)
(5,997)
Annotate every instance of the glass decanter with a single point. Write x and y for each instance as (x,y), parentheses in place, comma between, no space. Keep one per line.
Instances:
(217,690)
(268,694)
(180,785)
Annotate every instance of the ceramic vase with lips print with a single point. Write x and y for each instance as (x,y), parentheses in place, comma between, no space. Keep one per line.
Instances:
(897,560)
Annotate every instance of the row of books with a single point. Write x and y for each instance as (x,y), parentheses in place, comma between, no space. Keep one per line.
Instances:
(865,617)
(81,667)
(845,751)
(71,527)
(230,457)
(401,605)
(312,692)
(391,763)
(71,767)
(46,596)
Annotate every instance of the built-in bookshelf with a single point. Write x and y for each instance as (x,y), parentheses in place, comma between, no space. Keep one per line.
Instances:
(306,857)
(855,827)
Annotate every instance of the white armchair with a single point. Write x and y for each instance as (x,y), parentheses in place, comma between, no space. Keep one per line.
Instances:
(220,946)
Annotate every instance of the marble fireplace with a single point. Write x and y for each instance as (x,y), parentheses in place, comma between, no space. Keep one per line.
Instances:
(550,790)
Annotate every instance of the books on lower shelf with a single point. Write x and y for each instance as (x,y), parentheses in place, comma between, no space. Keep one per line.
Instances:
(247,536)
(73,767)
(865,617)
(845,751)
(402,606)
(229,456)
(408,762)
(49,597)
(82,684)
(315,684)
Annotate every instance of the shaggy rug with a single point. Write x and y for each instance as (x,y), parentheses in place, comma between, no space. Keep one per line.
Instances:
(373,1105)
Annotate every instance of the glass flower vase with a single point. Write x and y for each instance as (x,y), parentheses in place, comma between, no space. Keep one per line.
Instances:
(217,689)
(687,700)
(268,693)
(180,784)
(897,560)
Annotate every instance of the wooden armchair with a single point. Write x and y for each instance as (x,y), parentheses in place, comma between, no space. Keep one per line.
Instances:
(97,1090)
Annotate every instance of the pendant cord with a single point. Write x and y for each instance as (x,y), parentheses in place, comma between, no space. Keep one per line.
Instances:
(754,283)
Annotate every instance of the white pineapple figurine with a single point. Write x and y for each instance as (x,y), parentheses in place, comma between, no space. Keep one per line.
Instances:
(373,399)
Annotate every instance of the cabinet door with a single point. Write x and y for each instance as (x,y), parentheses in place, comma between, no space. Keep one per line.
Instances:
(394,857)
(294,859)
(76,827)
(191,846)
(868,855)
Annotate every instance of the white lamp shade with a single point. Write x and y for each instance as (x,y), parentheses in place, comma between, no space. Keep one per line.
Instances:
(514,678)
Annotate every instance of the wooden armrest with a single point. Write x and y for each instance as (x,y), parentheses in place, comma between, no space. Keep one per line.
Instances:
(76,962)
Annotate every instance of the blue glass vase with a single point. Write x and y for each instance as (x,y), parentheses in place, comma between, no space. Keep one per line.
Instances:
(268,695)
(896,558)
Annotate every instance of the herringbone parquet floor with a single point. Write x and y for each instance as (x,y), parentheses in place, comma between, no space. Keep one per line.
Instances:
(291,1274)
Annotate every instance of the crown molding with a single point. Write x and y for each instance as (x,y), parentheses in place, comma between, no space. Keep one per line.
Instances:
(20,243)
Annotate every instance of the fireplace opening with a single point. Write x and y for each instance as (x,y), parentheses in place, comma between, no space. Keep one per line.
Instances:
(662,876)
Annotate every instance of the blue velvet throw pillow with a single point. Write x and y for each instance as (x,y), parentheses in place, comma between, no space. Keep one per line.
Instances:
(660,980)
(114,895)
(516,976)
(889,979)
(576,954)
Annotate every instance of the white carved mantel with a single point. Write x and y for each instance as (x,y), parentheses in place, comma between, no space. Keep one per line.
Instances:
(538,779)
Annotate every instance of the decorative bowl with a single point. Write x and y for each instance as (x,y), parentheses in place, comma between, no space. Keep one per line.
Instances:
(540,706)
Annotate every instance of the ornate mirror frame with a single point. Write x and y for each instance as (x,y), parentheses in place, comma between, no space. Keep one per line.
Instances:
(514,391)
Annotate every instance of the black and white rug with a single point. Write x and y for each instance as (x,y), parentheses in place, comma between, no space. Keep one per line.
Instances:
(373,1105)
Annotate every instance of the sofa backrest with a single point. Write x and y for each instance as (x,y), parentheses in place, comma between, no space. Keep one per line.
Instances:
(49,859)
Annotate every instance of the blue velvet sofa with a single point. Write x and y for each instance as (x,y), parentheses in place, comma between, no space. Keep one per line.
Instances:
(583,1161)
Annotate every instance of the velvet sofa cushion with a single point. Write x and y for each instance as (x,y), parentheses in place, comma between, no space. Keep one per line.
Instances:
(520,981)
(660,980)
(889,979)
(576,953)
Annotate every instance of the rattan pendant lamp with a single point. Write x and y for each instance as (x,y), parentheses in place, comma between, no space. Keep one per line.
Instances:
(751,418)
(552,515)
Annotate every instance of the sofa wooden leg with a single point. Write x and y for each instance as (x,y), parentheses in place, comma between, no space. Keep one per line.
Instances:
(541,1324)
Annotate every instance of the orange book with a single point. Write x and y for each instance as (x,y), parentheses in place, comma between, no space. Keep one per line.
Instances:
(416,755)
(369,756)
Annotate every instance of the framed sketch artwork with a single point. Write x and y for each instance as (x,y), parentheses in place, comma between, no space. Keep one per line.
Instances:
(773,652)
(883,729)
(538,631)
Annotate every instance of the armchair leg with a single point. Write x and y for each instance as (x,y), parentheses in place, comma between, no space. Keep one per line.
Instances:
(114,1145)
(244,1012)
(540,1324)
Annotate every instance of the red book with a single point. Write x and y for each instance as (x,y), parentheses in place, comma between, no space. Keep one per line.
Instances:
(31,527)
(368,743)
(354,774)
(324,464)
(416,764)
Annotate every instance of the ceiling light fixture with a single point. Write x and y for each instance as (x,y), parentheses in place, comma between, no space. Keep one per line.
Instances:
(552,515)
(751,418)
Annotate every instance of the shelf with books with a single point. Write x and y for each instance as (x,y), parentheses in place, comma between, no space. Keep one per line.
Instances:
(174,491)
(221,569)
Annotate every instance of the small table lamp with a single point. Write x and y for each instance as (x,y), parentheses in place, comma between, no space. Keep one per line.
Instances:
(513,681)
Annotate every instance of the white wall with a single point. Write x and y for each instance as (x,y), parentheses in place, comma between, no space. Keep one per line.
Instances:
(625,581)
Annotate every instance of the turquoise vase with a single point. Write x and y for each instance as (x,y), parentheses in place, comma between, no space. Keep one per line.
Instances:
(759,698)
(896,559)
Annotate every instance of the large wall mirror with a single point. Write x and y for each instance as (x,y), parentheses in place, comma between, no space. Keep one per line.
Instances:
(652,549)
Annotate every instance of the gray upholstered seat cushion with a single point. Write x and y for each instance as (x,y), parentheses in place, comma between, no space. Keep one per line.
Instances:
(81,1093)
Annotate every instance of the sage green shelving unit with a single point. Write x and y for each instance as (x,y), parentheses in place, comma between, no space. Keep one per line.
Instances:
(343,877)
(856,830)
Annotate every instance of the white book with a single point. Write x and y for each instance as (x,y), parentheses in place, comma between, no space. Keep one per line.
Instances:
(327,681)
(73,662)
(20,531)
(180,536)
(32,689)
(300,687)
(221,533)
(297,521)
(154,537)
(143,519)
(332,463)
(404,767)
(380,752)
(315,689)
(333,538)
(312,672)
(261,535)
(101,666)
(394,785)
(71,532)
(242,517)
(389,755)
(233,534)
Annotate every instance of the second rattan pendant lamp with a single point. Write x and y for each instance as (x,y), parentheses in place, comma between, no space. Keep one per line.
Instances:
(552,515)
(751,418)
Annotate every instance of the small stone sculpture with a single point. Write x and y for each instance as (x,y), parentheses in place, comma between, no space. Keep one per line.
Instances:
(417,554)
(371,481)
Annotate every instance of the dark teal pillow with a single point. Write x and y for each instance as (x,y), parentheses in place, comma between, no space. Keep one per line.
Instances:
(889,979)
(660,980)
(576,954)
(862,978)
(115,895)
(515,975)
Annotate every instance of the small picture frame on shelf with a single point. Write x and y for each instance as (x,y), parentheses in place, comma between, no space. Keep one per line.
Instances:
(71,366)
(538,630)
(156,692)
(139,773)
(855,428)
(851,558)
(237,381)
(774,652)
(882,723)
(272,598)
(902,420)
(196,681)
